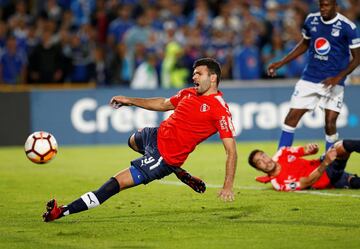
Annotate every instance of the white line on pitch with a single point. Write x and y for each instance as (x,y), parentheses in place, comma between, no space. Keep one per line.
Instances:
(309,192)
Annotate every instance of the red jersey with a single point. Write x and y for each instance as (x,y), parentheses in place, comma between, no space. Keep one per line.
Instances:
(195,118)
(293,167)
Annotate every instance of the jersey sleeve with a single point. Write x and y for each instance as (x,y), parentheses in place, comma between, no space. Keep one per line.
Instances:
(305,31)
(225,126)
(354,37)
(287,185)
(178,97)
(223,120)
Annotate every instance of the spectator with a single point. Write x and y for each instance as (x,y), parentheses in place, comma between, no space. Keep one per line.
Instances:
(152,13)
(140,33)
(273,15)
(53,11)
(119,68)
(46,61)
(81,58)
(145,76)
(173,69)
(226,20)
(120,25)
(100,21)
(20,15)
(82,10)
(20,31)
(273,52)
(176,14)
(12,64)
(247,64)
(32,39)
(257,10)
(98,71)
(201,16)
(67,21)
(65,38)
(295,68)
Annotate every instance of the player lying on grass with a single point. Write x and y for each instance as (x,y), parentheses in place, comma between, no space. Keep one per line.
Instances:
(288,170)
(199,112)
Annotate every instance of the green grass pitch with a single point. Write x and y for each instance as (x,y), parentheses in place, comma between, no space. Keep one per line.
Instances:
(165,214)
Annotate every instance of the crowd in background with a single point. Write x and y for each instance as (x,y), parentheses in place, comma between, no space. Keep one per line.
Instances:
(149,43)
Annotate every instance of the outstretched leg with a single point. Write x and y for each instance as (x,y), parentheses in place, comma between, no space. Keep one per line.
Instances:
(91,199)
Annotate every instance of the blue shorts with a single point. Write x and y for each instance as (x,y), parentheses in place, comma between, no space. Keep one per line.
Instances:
(339,178)
(151,165)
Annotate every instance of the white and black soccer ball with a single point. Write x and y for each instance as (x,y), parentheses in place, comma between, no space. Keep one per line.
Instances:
(41,147)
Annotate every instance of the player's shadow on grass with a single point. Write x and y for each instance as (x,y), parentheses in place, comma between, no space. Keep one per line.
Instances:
(178,215)
(241,215)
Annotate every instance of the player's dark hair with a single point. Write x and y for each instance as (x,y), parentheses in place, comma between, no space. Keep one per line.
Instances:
(251,158)
(212,65)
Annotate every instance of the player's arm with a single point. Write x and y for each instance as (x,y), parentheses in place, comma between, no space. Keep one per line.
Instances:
(299,49)
(306,182)
(153,104)
(355,61)
(226,193)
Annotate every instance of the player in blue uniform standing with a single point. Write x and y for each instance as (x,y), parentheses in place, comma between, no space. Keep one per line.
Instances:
(329,37)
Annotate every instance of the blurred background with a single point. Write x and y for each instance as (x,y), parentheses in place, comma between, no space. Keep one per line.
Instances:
(147,43)
(50,48)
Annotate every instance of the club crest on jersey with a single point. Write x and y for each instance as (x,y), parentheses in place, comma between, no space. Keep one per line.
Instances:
(335,32)
(291,158)
(204,108)
(322,46)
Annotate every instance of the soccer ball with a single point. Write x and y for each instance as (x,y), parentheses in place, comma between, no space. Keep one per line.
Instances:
(41,147)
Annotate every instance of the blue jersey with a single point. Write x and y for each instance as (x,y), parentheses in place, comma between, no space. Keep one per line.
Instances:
(330,44)
(12,65)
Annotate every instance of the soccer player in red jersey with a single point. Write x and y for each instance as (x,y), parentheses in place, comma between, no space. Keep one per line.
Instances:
(289,171)
(199,112)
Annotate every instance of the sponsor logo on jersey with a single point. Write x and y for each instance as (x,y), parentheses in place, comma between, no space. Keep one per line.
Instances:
(204,108)
(322,46)
(223,124)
